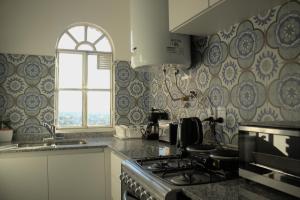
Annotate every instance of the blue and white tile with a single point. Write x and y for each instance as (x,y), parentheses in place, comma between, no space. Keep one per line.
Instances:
(32,101)
(248,95)
(31,126)
(227,34)
(284,92)
(136,115)
(268,113)
(264,18)
(215,54)
(267,65)
(6,68)
(283,33)
(136,88)
(203,78)
(246,44)
(32,70)
(16,116)
(230,71)
(124,74)
(15,85)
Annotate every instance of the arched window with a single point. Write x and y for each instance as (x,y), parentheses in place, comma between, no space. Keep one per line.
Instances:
(84,79)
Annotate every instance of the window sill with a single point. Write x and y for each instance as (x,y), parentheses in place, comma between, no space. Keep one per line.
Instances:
(86,130)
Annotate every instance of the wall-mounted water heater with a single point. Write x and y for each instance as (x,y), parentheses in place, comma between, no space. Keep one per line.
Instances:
(151,42)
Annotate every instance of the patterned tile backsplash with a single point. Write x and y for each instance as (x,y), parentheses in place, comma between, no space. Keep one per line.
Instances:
(27,91)
(133,97)
(252,69)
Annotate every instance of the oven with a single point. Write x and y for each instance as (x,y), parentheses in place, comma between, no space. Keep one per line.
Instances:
(136,184)
(269,154)
(163,177)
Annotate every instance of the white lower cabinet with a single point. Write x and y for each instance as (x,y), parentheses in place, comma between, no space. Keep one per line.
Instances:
(76,176)
(23,178)
(53,175)
(115,171)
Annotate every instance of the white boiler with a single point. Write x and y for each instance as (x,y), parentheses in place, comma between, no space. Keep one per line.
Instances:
(151,42)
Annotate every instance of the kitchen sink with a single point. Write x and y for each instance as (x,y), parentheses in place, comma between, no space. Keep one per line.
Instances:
(52,143)
(33,144)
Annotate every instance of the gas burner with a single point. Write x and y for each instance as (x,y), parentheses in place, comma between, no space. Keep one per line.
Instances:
(180,171)
(160,166)
(189,178)
(165,164)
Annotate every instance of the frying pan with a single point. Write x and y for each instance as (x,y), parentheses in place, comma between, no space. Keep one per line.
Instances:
(201,148)
(225,154)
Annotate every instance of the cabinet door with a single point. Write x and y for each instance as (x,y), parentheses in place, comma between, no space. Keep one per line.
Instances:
(76,176)
(115,161)
(23,178)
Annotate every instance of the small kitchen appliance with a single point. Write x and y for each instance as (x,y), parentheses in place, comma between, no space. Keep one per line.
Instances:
(167,131)
(152,130)
(128,132)
(269,154)
(189,132)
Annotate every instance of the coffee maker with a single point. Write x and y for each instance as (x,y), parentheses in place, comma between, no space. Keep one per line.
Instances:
(152,129)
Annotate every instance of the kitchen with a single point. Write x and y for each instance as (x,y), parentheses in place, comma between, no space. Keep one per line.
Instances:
(237,63)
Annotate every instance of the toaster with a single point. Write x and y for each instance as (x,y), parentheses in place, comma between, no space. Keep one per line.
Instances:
(167,131)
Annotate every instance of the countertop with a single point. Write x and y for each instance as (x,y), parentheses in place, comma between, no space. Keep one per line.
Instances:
(138,148)
(129,148)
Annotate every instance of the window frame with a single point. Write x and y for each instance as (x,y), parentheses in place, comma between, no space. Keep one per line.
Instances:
(84,89)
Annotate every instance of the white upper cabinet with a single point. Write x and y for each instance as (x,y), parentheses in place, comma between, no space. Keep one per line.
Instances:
(181,11)
(203,17)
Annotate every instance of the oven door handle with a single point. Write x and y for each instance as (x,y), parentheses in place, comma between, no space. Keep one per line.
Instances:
(128,196)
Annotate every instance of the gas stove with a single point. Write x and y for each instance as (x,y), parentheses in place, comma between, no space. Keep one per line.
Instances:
(163,177)
(180,171)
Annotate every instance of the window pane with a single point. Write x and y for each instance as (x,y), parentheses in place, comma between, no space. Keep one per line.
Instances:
(66,42)
(70,70)
(85,47)
(78,33)
(97,78)
(93,34)
(103,45)
(70,108)
(98,108)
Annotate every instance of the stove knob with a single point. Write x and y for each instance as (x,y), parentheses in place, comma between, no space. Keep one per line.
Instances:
(132,185)
(138,190)
(129,181)
(122,177)
(144,195)
(125,178)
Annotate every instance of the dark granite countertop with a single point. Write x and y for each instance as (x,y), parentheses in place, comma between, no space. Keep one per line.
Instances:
(130,148)
(138,148)
(237,189)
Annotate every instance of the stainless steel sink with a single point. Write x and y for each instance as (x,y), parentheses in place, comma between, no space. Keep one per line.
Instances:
(52,143)
(34,144)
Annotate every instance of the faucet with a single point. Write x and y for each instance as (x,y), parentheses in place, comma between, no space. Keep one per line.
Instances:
(51,130)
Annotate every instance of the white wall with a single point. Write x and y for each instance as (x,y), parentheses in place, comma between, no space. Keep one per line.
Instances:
(33,26)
